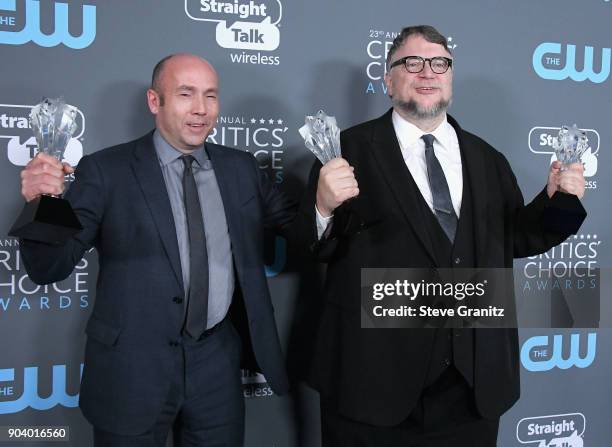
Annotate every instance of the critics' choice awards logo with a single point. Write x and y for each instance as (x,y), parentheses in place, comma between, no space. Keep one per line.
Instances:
(556,62)
(377,48)
(19,389)
(557,430)
(17,138)
(571,265)
(544,353)
(21,21)
(19,295)
(264,137)
(541,142)
(249,26)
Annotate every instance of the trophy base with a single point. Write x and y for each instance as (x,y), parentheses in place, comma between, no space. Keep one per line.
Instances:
(564,217)
(46,219)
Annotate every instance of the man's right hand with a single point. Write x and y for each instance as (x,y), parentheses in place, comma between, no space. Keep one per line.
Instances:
(44,174)
(337,183)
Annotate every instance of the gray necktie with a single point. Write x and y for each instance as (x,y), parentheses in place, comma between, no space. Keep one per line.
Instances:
(442,203)
(197,304)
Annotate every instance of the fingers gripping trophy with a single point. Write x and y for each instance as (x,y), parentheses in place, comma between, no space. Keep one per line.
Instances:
(337,182)
(49,218)
(569,146)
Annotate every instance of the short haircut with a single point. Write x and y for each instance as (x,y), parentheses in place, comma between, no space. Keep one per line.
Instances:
(429,33)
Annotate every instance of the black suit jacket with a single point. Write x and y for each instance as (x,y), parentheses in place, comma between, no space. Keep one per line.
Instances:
(120,197)
(376,376)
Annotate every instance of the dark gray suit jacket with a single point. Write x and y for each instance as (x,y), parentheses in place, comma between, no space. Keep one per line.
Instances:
(121,200)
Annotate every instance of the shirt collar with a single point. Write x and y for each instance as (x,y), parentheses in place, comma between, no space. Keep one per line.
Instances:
(166,153)
(408,134)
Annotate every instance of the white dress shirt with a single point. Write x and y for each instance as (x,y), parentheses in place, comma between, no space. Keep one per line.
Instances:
(446,148)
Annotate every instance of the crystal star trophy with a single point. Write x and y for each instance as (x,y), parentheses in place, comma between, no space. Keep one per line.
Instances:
(570,145)
(565,216)
(49,218)
(322,136)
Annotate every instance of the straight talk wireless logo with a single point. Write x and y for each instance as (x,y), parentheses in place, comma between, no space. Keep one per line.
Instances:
(558,430)
(17,139)
(255,384)
(250,27)
(541,139)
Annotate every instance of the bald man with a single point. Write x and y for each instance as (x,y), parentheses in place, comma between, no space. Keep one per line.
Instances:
(181,296)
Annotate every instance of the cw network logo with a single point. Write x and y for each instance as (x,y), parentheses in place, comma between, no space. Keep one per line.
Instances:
(30,397)
(557,430)
(24,25)
(541,140)
(252,26)
(550,63)
(539,354)
(21,145)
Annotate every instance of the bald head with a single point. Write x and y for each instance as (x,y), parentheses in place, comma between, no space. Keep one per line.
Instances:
(184,97)
(171,61)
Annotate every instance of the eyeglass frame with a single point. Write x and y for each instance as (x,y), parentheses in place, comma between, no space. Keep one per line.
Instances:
(402,61)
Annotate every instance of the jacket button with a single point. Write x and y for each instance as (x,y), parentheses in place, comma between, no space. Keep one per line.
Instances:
(177,299)
(447,362)
(457,260)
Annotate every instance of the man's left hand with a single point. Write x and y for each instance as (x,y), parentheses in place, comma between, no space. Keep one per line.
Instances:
(570,180)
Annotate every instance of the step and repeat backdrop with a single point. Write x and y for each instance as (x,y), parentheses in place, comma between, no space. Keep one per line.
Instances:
(521,70)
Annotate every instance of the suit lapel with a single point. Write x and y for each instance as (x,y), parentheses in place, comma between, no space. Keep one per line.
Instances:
(474,161)
(149,175)
(388,156)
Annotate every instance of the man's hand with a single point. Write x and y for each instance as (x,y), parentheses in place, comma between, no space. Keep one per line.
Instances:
(337,184)
(570,181)
(44,174)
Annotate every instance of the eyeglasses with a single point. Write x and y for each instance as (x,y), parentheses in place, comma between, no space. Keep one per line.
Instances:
(416,64)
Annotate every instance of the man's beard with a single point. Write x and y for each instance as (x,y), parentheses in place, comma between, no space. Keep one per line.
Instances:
(411,108)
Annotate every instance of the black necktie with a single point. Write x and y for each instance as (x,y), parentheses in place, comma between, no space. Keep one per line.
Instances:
(442,203)
(197,296)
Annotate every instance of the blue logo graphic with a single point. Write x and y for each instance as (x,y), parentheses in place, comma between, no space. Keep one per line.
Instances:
(31,31)
(280,258)
(549,53)
(537,354)
(30,397)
